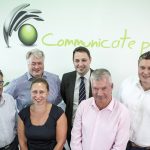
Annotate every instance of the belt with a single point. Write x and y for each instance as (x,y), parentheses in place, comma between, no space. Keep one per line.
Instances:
(137,146)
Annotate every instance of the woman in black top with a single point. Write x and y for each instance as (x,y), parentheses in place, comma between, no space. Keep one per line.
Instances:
(41,126)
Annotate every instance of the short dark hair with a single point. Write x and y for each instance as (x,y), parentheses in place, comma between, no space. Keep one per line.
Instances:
(40,80)
(81,49)
(145,55)
(1,74)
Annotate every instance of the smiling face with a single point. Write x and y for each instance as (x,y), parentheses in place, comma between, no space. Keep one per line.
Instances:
(144,73)
(39,93)
(81,62)
(102,92)
(36,66)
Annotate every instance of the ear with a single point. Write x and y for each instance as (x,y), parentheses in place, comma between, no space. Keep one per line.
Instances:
(90,59)
(112,85)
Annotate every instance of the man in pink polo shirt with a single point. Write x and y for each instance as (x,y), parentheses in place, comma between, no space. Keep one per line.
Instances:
(101,122)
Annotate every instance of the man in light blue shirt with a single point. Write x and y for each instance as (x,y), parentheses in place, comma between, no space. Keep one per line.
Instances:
(20,87)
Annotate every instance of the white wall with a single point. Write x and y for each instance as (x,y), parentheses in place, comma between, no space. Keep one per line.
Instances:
(125,23)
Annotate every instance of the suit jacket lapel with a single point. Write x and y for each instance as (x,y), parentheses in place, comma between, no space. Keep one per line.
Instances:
(90,92)
(72,82)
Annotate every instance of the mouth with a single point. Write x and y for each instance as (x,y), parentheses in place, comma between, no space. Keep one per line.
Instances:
(36,71)
(99,97)
(146,77)
(81,69)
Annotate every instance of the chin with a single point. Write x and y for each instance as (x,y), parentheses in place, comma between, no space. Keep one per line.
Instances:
(145,81)
(81,72)
(37,75)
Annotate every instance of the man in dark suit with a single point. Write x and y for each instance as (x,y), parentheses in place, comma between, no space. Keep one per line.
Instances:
(70,84)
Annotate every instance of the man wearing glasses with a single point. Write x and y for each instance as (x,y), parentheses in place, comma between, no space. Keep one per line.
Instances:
(8,138)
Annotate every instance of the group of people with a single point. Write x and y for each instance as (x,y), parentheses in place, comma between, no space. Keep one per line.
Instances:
(93,119)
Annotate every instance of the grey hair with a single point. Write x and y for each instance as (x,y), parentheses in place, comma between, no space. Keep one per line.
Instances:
(36,53)
(99,74)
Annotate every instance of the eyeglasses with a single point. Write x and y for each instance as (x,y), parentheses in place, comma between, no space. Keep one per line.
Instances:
(1,82)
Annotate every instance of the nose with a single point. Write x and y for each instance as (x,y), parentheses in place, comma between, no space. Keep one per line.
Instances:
(37,95)
(99,92)
(80,63)
(146,71)
(36,66)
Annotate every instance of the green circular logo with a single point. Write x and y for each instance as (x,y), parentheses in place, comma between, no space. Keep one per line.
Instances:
(27,34)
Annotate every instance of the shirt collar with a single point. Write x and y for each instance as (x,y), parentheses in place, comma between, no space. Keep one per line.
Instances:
(86,76)
(30,77)
(109,107)
(138,84)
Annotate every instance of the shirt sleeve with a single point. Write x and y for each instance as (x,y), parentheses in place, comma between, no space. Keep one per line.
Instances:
(10,88)
(76,134)
(122,136)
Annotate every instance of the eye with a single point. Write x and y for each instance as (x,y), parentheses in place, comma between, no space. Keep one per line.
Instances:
(34,92)
(84,60)
(142,67)
(1,82)
(76,60)
(104,88)
(95,89)
(40,63)
(33,64)
(42,92)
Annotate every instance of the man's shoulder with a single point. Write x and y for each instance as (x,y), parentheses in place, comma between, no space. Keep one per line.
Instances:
(19,79)
(8,98)
(85,106)
(7,95)
(69,74)
(132,80)
(50,75)
(121,107)
(87,102)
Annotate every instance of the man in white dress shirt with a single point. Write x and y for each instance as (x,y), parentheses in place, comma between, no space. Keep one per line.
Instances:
(135,94)
(70,84)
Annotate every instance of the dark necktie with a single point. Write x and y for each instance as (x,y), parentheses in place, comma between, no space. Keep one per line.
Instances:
(82,92)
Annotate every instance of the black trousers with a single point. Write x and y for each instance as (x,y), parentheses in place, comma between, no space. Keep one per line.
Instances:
(12,146)
(130,147)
